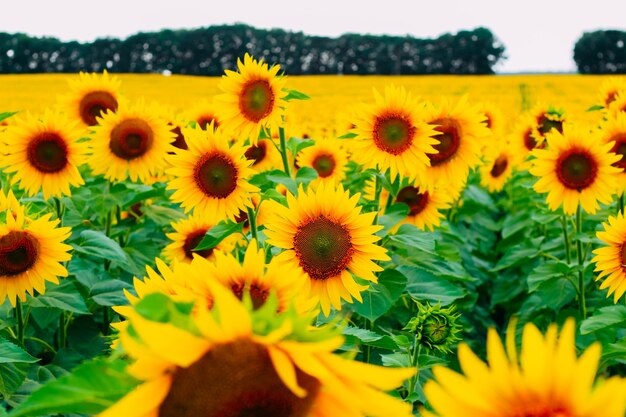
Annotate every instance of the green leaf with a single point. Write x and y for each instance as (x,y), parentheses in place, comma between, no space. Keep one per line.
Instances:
(110,292)
(279,177)
(393,215)
(349,135)
(96,244)
(295,95)
(305,175)
(218,233)
(424,285)
(295,145)
(10,352)
(595,107)
(604,317)
(379,297)
(162,309)
(6,115)
(369,338)
(64,296)
(410,236)
(546,272)
(89,389)
(12,375)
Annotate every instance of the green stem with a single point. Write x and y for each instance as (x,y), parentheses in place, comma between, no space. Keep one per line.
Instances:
(59,210)
(283,151)
(43,342)
(107,265)
(367,354)
(566,239)
(62,331)
(378,185)
(621,203)
(20,322)
(414,360)
(252,220)
(581,260)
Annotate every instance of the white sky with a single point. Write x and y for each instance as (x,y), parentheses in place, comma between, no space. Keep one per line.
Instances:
(539,35)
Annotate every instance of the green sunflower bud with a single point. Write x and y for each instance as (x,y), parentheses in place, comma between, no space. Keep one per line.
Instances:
(435,327)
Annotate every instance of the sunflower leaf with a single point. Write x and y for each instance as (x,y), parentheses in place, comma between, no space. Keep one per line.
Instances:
(595,107)
(96,244)
(217,233)
(295,95)
(6,115)
(379,297)
(10,352)
(426,286)
(604,317)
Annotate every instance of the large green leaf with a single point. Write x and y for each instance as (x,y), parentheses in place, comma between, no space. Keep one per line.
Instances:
(424,285)
(10,352)
(218,233)
(12,375)
(96,244)
(379,298)
(604,317)
(64,296)
(89,389)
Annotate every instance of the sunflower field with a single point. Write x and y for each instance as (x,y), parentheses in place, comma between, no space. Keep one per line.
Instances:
(259,245)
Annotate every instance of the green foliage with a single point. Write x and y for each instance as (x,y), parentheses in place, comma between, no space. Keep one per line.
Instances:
(601,52)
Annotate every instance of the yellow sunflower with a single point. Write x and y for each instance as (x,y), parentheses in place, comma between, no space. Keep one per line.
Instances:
(203,114)
(522,140)
(460,130)
(249,363)
(254,277)
(494,120)
(31,253)
(327,157)
(44,154)
(618,105)
(324,233)
(210,176)
(91,96)
(9,202)
(188,233)
(545,119)
(264,155)
(254,98)
(545,379)
(132,143)
(497,168)
(610,88)
(425,206)
(611,260)
(613,130)
(391,134)
(575,169)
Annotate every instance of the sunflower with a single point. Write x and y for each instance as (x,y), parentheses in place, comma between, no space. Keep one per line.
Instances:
(611,260)
(522,140)
(610,88)
(391,134)
(545,379)
(9,202)
(254,98)
(249,362)
(204,113)
(91,96)
(618,105)
(460,132)
(613,130)
(327,157)
(210,176)
(575,169)
(326,235)
(188,234)
(545,119)
(44,154)
(425,206)
(494,120)
(133,142)
(31,253)
(264,155)
(497,168)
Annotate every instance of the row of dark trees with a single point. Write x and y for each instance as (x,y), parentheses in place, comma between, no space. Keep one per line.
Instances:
(601,52)
(211,50)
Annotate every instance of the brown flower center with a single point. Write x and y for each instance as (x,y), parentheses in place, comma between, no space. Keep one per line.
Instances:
(216,175)
(499,166)
(576,169)
(530,142)
(47,152)
(619,148)
(205,120)
(131,138)
(547,411)
(544,124)
(18,253)
(258,294)
(412,197)
(180,141)
(257,152)
(256,100)
(323,247)
(393,133)
(236,379)
(449,140)
(324,164)
(94,104)
(192,241)
(622,254)
(610,98)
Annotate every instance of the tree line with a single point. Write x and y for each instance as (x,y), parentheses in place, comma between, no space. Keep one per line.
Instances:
(601,52)
(211,50)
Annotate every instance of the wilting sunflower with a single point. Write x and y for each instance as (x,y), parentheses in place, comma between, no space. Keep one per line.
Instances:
(460,130)
(203,114)
(31,253)
(575,169)
(497,168)
(610,88)
(188,233)
(210,176)
(91,96)
(391,134)
(544,379)
(254,277)
(133,142)
(44,154)
(327,157)
(611,260)
(254,98)
(324,233)
(249,363)
(425,206)
(613,130)
(264,155)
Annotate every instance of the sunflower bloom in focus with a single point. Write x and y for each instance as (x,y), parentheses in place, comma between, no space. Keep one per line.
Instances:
(610,260)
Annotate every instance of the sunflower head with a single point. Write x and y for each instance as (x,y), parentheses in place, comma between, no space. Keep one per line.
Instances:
(435,327)
(327,158)
(425,205)
(610,88)
(611,259)
(498,166)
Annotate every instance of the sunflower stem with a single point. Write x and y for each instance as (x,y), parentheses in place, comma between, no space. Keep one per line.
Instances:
(377,191)
(566,240)
(62,331)
(252,220)
(620,203)
(581,260)
(107,265)
(283,151)
(19,318)
(414,360)
(59,210)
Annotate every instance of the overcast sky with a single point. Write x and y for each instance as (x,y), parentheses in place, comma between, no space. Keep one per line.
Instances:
(539,35)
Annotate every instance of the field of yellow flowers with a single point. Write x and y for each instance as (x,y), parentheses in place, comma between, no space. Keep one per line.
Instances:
(263,245)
